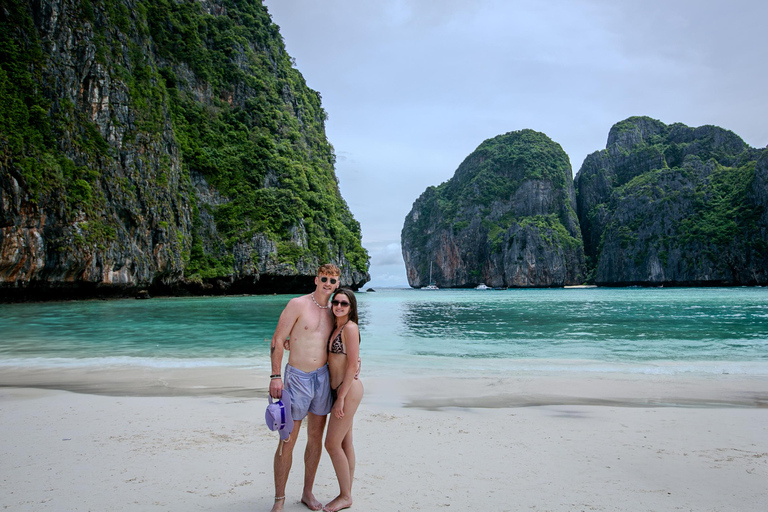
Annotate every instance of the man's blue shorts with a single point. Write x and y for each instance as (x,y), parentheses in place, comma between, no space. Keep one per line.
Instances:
(310,392)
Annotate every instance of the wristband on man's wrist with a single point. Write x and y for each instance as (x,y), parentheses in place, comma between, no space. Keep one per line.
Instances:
(275,376)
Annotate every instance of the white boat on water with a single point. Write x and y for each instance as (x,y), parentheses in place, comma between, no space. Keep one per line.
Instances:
(482,286)
(431,285)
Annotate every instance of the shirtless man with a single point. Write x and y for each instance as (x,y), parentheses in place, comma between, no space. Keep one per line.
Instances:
(307,321)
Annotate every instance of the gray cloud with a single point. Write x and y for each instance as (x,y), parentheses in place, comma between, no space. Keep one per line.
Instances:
(386,253)
(387,268)
(413,86)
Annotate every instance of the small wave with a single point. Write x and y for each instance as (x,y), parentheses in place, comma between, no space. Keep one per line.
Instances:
(126,361)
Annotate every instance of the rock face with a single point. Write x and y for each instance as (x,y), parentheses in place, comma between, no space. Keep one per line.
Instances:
(506,218)
(162,145)
(674,205)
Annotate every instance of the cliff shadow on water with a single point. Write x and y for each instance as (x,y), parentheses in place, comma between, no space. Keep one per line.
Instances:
(164,146)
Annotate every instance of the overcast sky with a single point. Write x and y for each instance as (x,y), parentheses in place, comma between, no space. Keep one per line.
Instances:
(412,87)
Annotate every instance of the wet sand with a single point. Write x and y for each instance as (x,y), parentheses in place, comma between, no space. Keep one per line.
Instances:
(194,439)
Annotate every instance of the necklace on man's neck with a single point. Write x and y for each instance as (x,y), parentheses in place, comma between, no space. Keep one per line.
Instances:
(316,304)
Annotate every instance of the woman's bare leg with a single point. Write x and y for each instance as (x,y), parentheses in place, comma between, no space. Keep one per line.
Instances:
(338,430)
(349,451)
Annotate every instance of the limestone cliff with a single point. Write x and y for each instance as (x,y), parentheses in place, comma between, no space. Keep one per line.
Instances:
(506,218)
(163,145)
(674,205)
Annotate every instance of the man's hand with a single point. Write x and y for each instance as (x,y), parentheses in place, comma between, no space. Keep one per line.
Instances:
(276,388)
(359,367)
(287,345)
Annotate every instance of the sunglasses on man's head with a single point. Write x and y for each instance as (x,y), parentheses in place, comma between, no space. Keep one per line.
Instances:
(324,279)
(340,303)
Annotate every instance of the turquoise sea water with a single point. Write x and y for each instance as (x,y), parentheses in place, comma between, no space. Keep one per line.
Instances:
(678,330)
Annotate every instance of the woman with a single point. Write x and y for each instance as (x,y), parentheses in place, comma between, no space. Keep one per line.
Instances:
(347,391)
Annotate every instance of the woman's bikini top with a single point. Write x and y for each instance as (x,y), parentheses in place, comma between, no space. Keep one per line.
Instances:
(336,346)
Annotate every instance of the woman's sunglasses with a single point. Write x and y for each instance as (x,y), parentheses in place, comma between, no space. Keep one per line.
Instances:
(340,303)
(324,279)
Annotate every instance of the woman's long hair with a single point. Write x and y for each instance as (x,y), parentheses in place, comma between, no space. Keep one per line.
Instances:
(349,294)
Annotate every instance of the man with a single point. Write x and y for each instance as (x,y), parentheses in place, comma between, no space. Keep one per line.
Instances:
(307,322)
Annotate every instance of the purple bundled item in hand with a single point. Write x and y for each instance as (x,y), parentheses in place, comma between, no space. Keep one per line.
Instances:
(278,415)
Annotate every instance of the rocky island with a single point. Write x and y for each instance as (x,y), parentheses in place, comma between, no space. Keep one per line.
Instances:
(161,145)
(507,218)
(662,205)
(674,205)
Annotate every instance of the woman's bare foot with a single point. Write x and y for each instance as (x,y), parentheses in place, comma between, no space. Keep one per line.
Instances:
(311,502)
(339,503)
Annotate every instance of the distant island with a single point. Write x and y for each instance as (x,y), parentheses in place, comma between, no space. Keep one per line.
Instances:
(675,206)
(506,218)
(660,206)
(162,146)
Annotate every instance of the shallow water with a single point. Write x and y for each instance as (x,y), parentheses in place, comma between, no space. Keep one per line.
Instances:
(677,330)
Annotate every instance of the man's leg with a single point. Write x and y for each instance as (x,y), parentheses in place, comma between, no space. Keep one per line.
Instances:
(282,466)
(315,428)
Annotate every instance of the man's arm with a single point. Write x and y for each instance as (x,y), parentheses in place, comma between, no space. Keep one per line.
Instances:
(288,319)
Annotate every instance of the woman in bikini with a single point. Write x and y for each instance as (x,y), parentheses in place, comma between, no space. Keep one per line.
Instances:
(343,355)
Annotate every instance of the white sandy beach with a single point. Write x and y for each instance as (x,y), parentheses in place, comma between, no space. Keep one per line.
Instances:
(545,444)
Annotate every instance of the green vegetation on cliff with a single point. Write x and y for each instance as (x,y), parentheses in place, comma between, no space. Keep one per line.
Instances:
(29,130)
(506,218)
(217,78)
(492,174)
(672,204)
(277,132)
(25,132)
(720,211)
(499,165)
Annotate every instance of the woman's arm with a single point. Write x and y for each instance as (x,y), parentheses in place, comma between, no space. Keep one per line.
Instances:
(351,338)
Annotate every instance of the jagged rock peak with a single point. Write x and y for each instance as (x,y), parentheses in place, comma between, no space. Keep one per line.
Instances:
(639,130)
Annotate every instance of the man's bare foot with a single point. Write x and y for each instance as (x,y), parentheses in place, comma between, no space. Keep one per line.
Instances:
(278,506)
(339,503)
(311,502)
